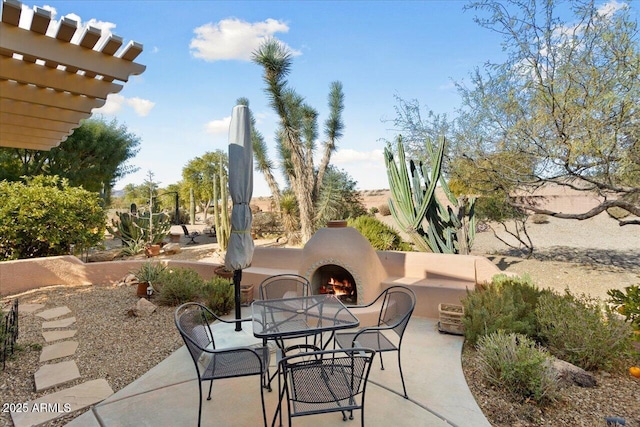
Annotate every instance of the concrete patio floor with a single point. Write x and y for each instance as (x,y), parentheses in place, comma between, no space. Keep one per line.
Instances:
(167,395)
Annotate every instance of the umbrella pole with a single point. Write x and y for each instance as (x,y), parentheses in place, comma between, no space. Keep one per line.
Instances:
(237,277)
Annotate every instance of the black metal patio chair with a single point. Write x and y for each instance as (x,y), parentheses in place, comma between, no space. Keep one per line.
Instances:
(323,382)
(397,304)
(193,321)
(191,235)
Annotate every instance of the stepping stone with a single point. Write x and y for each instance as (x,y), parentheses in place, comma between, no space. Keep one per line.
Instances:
(62,323)
(52,313)
(55,374)
(61,403)
(29,308)
(58,350)
(58,335)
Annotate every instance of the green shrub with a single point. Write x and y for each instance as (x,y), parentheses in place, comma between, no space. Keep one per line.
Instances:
(218,295)
(373,210)
(506,304)
(578,330)
(627,303)
(381,236)
(516,364)
(179,285)
(150,272)
(45,216)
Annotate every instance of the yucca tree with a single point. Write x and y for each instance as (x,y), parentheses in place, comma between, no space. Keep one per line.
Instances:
(297,134)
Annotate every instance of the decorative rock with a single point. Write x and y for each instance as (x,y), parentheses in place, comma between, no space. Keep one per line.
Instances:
(172,248)
(56,374)
(54,312)
(62,323)
(571,374)
(58,350)
(65,401)
(129,279)
(58,335)
(142,308)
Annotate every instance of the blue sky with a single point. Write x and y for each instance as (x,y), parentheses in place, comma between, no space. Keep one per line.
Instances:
(197,58)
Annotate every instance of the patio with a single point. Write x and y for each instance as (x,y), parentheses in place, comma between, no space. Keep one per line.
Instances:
(168,393)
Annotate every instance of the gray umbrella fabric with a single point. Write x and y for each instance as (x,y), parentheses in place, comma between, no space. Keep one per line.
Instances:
(241,246)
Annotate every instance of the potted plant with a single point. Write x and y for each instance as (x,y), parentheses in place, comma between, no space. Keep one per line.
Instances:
(222,271)
(147,275)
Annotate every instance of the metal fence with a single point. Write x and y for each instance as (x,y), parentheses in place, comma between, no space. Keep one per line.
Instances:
(8,332)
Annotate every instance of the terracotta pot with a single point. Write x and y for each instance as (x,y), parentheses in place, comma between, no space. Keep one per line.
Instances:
(152,250)
(222,272)
(141,291)
(174,238)
(246,295)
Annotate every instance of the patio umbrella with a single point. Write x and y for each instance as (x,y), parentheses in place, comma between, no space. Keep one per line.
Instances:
(240,249)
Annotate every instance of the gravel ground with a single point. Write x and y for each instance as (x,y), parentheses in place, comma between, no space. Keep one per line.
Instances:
(587,257)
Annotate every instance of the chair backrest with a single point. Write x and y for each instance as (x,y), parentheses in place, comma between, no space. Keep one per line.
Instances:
(397,307)
(317,379)
(192,320)
(284,286)
(184,229)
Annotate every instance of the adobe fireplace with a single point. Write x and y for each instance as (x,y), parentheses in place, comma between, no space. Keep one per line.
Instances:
(338,259)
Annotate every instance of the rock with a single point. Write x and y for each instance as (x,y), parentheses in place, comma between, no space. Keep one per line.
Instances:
(171,248)
(571,374)
(142,308)
(129,279)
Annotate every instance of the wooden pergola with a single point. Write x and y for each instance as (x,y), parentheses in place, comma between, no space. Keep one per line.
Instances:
(49,84)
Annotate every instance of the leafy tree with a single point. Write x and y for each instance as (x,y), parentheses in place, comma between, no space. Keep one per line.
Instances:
(94,156)
(45,216)
(565,101)
(338,198)
(298,132)
(199,174)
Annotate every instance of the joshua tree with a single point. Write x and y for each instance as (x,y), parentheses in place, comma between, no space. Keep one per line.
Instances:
(297,133)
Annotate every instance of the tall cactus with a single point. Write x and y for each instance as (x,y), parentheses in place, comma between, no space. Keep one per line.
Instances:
(221,213)
(416,209)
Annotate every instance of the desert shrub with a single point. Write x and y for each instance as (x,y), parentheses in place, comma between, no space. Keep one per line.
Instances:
(506,304)
(539,218)
(384,209)
(217,294)
(44,216)
(516,364)
(373,210)
(150,272)
(381,236)
(265,223)
(179,285)
(627,303)
(578,330)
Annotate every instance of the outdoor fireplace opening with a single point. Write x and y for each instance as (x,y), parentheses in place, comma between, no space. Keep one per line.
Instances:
(333,279)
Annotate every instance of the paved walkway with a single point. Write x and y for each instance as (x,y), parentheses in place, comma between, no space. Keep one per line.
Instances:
(52,372)
(168,393)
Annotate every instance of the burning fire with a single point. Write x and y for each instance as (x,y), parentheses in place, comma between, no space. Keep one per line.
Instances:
(340,288)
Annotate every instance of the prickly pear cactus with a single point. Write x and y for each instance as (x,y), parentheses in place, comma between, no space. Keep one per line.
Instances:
(432,226)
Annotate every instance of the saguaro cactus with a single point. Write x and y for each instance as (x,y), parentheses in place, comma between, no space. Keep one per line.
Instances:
(415,208)
(221,213)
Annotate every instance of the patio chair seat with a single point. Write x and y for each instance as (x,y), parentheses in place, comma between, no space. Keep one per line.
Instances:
(369,339)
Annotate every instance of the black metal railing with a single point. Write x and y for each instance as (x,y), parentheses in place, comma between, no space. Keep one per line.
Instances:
(8,332)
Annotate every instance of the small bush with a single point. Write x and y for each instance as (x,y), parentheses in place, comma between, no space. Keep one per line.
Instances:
(384,209)
(218,295)
(539,219)
(516,364)
(576,329)
(179,285)
(506,304)
(381,236)
(373,210)
(627,303)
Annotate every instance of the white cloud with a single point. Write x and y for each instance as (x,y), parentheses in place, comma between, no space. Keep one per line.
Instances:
(116,102)
(218,126)
(348,155)
(112,106)
(142,107)
(233,38)
(610,8)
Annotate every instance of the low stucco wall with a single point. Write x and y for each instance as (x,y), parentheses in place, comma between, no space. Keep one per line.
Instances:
(435,278)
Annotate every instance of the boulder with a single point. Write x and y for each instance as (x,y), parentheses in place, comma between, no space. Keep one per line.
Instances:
(171,248)
(570,374)
(144,307)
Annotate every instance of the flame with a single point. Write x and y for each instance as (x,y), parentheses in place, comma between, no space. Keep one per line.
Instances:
(340,288)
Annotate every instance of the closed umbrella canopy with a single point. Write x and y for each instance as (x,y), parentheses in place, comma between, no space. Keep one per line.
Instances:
(240,249)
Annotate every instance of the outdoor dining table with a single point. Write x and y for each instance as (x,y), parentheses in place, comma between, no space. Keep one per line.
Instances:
(279,319)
